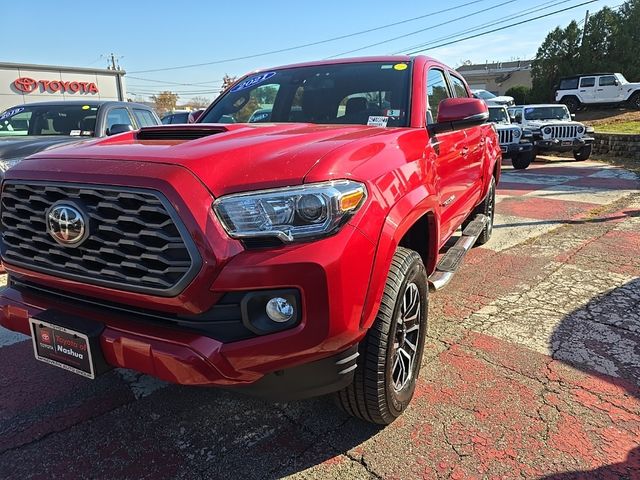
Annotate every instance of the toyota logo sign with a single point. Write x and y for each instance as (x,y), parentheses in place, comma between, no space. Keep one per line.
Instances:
(66,224)
(25,84)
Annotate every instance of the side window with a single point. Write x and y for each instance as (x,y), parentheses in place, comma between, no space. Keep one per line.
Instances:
(607,81)
(458,86)
(437,90)
(144,117)
(587,82)
(259,105)
(118,116)
(568,84)
(167,120)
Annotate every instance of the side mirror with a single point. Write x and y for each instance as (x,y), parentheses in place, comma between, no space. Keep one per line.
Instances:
(194,116)
(459,113)
(573,115)
(119,128)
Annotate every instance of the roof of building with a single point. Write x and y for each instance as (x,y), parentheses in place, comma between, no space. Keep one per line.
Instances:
(496,66)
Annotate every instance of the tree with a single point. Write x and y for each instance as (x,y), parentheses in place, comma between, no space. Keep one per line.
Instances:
(199,102)
(611,40)
(227,81)
(520,93)
(165,101)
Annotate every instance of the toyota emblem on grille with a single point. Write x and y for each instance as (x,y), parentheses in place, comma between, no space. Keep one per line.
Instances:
(66,224)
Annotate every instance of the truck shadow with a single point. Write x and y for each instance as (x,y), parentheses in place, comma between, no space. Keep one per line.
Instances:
(602,339)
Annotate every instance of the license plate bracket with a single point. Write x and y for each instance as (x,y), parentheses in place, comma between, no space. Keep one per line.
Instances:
(567,143)
(70,343)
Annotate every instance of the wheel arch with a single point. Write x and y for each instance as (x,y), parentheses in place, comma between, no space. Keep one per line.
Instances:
(413,220)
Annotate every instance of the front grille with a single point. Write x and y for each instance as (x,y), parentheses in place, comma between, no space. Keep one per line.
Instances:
(135,240)
(506,136)
(564,132)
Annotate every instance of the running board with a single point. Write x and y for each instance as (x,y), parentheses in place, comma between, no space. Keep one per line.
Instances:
(452,259)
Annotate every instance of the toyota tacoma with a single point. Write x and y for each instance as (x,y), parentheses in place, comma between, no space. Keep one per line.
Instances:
(285,259)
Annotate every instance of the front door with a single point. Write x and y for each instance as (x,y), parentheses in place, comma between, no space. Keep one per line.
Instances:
(452,157)
(609,90)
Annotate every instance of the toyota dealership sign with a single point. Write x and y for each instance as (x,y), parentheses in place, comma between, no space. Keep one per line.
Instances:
(20,84)
(28,85)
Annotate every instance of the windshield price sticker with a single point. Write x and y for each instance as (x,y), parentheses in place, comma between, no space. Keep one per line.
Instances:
(393,113)
(11,113)
(375,121)
(253,81)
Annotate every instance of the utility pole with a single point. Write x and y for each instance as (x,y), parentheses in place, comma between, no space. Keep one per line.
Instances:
(584,28)
(112,62)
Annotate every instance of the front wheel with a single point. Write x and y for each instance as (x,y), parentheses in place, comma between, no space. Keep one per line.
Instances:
(583,154)
(520,161)
(391,352)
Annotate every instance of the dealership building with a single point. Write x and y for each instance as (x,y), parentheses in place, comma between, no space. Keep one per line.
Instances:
(23,83)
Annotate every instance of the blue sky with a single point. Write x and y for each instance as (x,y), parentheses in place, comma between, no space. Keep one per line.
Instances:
(160,34)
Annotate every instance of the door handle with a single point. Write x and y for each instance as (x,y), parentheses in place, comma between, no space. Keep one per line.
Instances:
(600,89)
(464,152)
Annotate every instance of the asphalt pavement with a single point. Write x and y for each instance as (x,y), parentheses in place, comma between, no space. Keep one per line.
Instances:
(531,370)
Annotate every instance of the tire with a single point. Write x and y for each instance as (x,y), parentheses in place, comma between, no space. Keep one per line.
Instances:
(488,208)
(583,154)
(521,161)
(572,103)
(381,389)
(634,101)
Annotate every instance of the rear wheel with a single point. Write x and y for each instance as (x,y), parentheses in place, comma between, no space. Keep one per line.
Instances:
(583,154)
(572,103)
(521,161)
(488,208)
(634,101)
(391,352)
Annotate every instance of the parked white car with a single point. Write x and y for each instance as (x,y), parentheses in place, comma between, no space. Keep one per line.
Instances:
(516,143)
(597,89)
(554,129)
(491,99)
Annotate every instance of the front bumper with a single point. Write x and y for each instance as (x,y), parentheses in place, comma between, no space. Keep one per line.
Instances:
(508,151)
(563,145)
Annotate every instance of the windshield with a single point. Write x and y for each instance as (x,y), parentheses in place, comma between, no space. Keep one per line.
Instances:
(498,115)
(621,79)
(73,120)
(547,113)
(372,93)
(484,95)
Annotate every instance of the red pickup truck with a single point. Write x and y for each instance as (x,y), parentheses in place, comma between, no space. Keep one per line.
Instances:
(288,257)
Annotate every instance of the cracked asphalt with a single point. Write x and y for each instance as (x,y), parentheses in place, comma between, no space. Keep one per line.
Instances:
(531,370)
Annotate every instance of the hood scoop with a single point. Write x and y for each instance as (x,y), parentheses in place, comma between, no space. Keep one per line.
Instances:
(178,132)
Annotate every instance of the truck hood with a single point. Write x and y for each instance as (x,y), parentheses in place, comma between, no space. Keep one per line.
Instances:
(227,158)
(545,123)
(12,148)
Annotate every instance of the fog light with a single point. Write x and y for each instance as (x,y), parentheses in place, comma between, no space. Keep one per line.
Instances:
(279,310)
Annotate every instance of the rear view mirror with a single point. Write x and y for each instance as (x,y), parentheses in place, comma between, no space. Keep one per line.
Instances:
(459,113)
(119,128)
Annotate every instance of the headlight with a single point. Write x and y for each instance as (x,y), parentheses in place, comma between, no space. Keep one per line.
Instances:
(547,130)
(291,213)
(580,129)
(7,164)
(590,130)
(516,133)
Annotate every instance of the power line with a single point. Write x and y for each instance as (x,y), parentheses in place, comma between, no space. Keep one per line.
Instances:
(477,12)
(537,8)
(174,83)
(500,29)
(320,42)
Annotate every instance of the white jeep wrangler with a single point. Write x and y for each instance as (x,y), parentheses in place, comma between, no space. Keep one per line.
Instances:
(554,129)
(516,143)
(597,89)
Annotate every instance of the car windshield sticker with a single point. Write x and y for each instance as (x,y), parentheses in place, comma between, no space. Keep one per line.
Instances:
(386,67)
(528,110)
(250,82)
(377,121)
(75,133)
(86,107)
(11,113)
(400,66)
(86,133)
(393,113)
